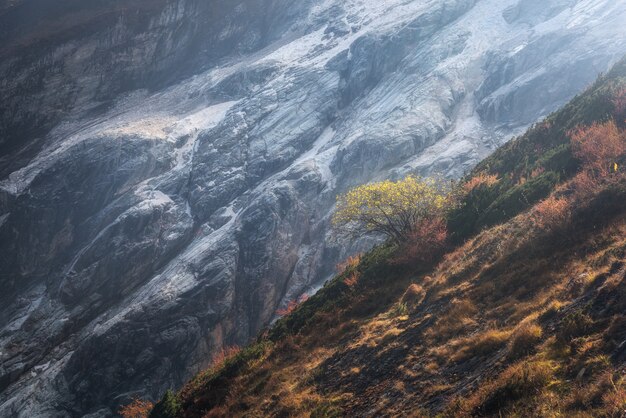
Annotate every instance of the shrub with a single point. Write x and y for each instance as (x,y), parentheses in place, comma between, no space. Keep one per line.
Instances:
(479,180)
(224,354)
(584,185)
(292,305)
(350,263)
(351,279)
(551,214)
(425,242)
(138,408)
(524,339)
(349,267)
(393,209)
(598,147)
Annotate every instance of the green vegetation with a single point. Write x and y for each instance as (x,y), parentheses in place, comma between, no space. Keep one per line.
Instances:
(168,407)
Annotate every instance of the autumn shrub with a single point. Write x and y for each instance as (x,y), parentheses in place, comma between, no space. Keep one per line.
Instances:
(524,340)
(352,279)
(425,242)
(349,268)
(392,209)
(598,147)
(481,179)
(138,408)
(551,214)
(349,263)
(292,305)
(224,354)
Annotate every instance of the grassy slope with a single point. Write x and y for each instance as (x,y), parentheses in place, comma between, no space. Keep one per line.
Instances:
(512,320)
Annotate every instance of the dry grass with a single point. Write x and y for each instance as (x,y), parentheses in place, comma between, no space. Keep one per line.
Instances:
(459,318)
(551,214)
(523,380)
(477,345)
(524,340)
(413,296)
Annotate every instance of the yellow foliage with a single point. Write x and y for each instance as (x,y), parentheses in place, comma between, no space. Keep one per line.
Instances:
(392,208)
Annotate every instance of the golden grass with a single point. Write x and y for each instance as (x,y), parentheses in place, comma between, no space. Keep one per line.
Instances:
(413,296)
(519,381)
(524,339)
(476,345)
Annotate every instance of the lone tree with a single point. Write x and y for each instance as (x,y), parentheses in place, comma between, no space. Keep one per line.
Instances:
(395,209)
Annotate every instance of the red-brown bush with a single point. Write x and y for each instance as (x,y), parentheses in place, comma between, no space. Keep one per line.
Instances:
(552,213)
(480,179)
(138,408)
(350,263)
(426,241)
(599,146)
(352,279)
(224,354)
(292,305)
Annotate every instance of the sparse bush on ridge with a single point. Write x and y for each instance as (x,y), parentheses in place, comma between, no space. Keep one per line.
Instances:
(292,305)
(224,354)
(425,242)
(599,147)
(350,263)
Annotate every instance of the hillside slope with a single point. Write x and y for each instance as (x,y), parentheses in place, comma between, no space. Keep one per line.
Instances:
(524,316)
(168,167)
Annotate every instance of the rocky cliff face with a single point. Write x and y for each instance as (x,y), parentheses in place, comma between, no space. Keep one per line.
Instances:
(168,167)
